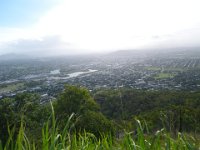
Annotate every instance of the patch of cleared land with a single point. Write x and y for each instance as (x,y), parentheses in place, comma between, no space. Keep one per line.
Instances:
(11,87)
(164,75)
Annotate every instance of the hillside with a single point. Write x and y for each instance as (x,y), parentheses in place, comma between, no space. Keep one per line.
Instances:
(110,119)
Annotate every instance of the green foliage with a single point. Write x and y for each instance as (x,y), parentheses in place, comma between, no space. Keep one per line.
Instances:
(23,108)
(77,122)
(6,115)
(173,110)
(53,139)
(95,123)
(87,115)
(74,100)
(164,75)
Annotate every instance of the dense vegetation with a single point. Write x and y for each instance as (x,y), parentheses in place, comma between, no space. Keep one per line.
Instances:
(169,120)
(176,111)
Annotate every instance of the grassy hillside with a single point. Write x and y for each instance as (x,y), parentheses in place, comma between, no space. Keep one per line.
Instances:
(110,119)
(53,138)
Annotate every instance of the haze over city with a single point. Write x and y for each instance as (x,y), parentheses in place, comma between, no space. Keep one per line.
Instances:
(100,74)
(56,27)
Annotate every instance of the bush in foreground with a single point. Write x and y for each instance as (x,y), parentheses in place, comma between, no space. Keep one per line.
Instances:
(87,115)
(53,139)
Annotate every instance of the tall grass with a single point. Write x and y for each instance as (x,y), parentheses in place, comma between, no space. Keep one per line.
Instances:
(54,139)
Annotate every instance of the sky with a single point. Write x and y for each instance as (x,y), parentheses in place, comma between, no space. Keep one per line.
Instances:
(56,27)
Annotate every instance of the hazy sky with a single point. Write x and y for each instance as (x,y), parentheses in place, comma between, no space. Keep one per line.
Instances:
(85,26)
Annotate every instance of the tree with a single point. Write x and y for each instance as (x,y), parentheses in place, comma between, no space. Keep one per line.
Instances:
(6,117)
(87,113)
(24,108)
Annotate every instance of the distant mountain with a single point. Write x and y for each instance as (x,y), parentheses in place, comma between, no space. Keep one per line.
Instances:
(13,56)
(129,54)
(124,52)
(157,52)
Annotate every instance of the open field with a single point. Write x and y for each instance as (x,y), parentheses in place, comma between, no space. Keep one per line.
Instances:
(164,75)
(11,87)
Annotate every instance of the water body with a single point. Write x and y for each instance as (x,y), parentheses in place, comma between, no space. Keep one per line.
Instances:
(76,74)
(73,75)
(54,72)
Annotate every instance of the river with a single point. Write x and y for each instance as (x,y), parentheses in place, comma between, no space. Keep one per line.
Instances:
(73,75)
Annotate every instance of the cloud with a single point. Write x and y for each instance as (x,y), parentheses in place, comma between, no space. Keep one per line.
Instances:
(104,25)
(184,38)
(52,45)
(93,26)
